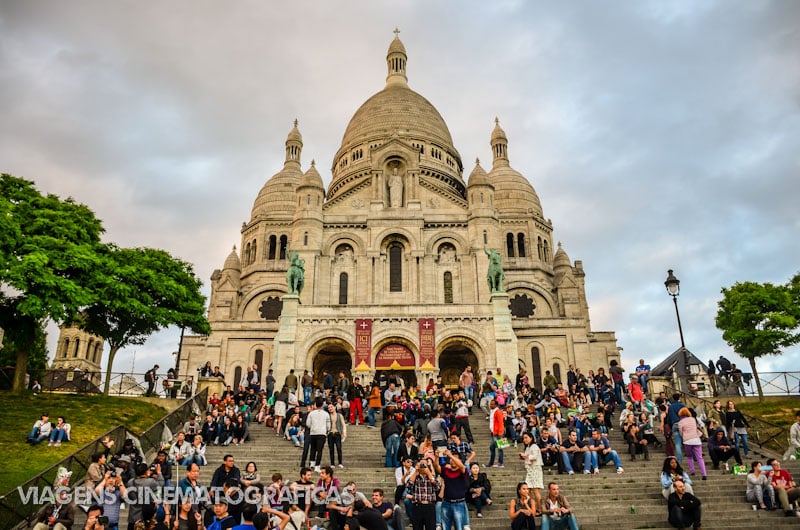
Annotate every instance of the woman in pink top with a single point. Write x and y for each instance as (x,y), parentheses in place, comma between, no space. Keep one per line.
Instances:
(692,440)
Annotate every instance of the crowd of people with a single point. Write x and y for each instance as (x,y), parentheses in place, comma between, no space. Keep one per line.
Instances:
(427,435)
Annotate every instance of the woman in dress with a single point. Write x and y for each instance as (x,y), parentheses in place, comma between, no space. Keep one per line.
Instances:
(670,471)
(737,427)
(480,489)
(280,408)
(532,457)
(522,510)
(759,488)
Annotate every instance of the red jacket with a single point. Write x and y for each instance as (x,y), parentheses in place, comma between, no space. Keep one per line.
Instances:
(498,425)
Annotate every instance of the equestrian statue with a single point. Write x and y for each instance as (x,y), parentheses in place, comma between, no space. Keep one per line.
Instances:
(495,275)
(296,273)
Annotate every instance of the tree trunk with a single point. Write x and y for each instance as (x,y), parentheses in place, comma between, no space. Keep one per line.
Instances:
(20,370)
(758,381)
(111,354)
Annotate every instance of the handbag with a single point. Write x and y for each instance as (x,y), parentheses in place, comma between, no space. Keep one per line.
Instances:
(502,443)
(739,470)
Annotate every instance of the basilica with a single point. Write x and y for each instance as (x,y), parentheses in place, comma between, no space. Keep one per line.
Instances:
(393,259)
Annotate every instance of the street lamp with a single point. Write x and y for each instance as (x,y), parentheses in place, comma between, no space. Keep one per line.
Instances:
(673,286)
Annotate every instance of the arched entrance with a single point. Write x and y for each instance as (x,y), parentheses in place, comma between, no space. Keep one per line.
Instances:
(332,358)
(396,359)
(452,362)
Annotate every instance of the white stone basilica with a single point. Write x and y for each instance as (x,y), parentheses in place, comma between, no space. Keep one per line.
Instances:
(395,268)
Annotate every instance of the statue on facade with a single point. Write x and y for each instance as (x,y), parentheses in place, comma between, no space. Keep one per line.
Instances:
(295,274)
(495,275)
(395,190)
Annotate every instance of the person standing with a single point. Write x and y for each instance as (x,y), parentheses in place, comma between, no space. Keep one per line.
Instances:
(307,383)
(465,381)
(496,428)
(318,423)
(270,381)
(532,456)
(684,508)
(336,434)
(291,381)
(556,511)
(737,427)
(462,418)
(454,505)
(374,403)
(356,398)
(619,384)
(672,423)
(711,372)
(150,377)
(390,436)
(692,440)
(794,436)
(424,490)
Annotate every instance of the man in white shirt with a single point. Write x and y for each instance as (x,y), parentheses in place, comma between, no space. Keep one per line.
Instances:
(318,423)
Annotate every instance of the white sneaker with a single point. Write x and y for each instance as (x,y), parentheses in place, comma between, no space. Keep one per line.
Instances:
(620,471)
(571,472)
(587,472)
(341,466)
(317,469)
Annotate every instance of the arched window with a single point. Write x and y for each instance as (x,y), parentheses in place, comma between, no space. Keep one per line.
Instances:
(237,377)
(557,371)
(272,246)
(98,352)
(521,244)
(284,245)
(395,268)
(246,256)
(77,346)
(253,252)
(343,282)
(546,251)
(540,248)
(448,287)
(89,348)
(305,239)
(259,362)
(65,350)
(536,369)
(510,245)
(485,238)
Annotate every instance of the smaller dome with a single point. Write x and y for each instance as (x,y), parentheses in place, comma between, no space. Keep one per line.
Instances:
(397,45)
(561,259)
(478,177)
(312,178)
(232,261)
(498,133)
(294,134)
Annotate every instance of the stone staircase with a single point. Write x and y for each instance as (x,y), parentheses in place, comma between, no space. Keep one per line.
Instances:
(598,501)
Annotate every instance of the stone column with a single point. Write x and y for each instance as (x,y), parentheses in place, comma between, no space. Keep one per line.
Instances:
(505,341)
(284,355)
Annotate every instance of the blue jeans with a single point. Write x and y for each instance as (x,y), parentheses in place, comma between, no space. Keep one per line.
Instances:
(469,393)
(678,442)
(493,448)
(587,461)
(593,393)
(479,501)
(611,455)
(619,390)
(566,521)
(454,514)
(58,435)
(306,395)
(35,438)
(392,446)
(743,438)
(371,416)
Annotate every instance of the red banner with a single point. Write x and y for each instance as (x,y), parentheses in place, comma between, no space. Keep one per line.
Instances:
(394,357)
(427,344)
(363,344)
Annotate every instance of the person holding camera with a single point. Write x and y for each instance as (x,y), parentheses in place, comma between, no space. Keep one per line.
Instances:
(95,520)
(424,489)
(454,497)
(144,481)
(110,492)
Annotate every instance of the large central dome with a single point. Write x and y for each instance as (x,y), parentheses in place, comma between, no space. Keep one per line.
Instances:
(395,112)
(396,108)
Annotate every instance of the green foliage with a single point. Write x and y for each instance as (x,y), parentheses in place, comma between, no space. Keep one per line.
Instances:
(760,319)
(36,352)
(141,291)
(48,255)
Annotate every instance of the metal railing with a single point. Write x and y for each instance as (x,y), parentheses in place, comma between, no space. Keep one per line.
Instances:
(16,513)
(773,384)
(762,433)
(121,383)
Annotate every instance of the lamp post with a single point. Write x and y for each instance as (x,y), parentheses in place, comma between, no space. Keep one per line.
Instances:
(673,286)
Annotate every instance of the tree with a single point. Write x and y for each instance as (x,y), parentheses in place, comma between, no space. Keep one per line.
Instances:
(48,257)
(139,292)
(760,319)
(36,352)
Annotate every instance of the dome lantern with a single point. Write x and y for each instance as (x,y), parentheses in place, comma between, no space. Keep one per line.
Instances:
(499,143)
(396,61)
(294,145)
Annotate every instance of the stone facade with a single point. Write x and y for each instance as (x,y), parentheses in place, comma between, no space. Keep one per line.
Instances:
(398,236)
(78,351)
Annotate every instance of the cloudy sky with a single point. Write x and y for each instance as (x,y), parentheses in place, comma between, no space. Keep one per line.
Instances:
(657,134)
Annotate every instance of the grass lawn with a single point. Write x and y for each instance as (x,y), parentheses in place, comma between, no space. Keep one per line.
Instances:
(89,415)
(780,411)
